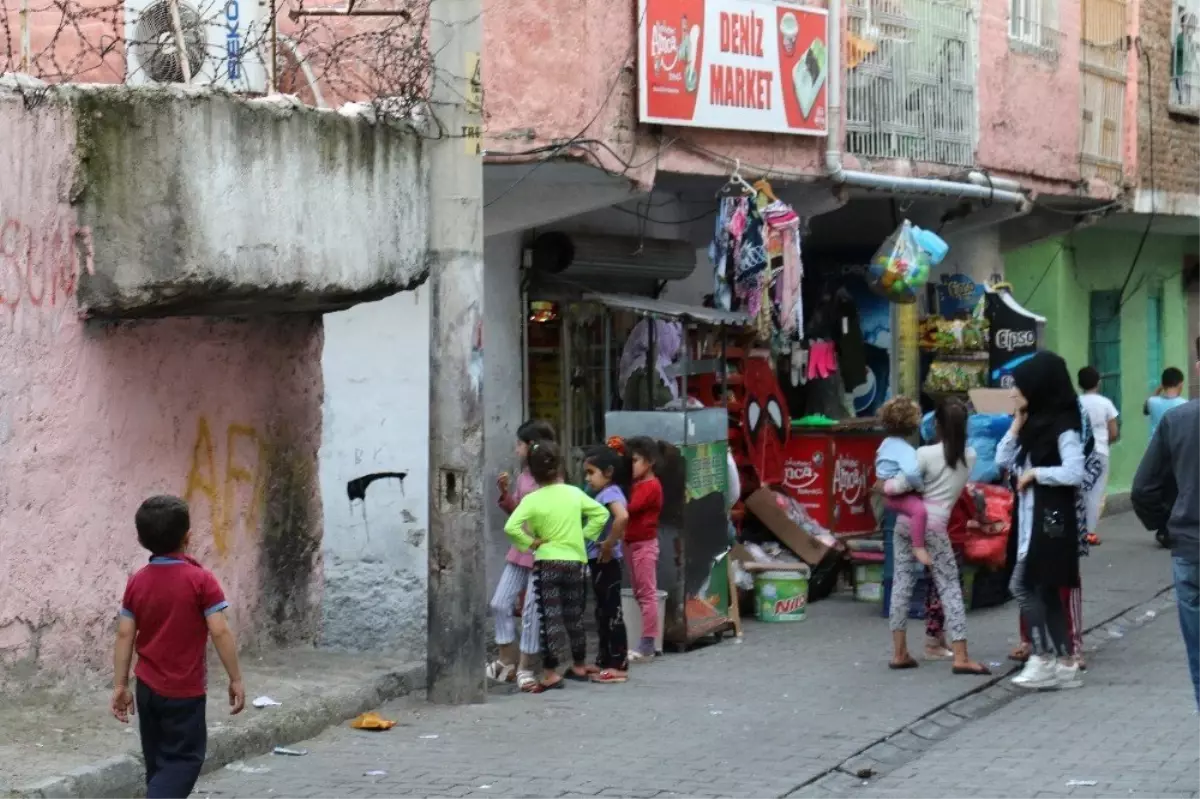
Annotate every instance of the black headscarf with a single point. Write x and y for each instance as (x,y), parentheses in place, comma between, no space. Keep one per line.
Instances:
(1053,406)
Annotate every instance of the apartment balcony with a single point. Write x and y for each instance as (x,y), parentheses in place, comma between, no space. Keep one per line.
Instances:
(910,80)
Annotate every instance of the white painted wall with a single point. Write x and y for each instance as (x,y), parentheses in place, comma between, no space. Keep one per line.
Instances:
(376,419)
(975,253)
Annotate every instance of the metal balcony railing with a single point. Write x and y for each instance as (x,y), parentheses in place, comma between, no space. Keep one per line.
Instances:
(910,80)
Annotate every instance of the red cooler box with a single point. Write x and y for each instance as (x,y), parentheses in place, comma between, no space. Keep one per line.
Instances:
(830,473)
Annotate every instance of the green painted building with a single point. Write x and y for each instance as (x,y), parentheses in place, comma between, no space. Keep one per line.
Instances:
(1076,282)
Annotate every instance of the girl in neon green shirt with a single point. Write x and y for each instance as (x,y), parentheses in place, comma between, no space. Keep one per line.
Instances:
(549,521)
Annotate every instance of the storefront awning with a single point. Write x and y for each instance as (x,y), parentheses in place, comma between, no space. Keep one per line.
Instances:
(664,309)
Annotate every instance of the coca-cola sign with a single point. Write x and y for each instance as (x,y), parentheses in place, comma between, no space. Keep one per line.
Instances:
(803,475)
(849,482)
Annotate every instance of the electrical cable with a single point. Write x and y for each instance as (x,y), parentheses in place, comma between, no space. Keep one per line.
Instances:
(612,87)
(1122,299)
(1061,246)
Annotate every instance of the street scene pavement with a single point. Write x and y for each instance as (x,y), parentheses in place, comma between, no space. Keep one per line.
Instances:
(807,709)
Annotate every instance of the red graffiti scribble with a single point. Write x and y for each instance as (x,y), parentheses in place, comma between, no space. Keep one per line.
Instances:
(42,267)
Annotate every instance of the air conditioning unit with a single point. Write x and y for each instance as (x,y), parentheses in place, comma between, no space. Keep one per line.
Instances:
(222,41)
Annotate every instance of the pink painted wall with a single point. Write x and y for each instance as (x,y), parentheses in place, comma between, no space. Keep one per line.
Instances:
(548,69)
(1029,123)
(96,417)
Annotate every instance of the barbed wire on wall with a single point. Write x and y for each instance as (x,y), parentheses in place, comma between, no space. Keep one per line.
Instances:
(375,55)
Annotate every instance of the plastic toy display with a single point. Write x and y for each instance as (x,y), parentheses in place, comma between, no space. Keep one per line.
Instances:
(900,267)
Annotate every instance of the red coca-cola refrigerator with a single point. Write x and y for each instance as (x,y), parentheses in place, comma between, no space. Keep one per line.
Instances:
(830,472)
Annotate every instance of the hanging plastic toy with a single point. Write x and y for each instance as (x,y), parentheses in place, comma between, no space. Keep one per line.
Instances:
(900,268)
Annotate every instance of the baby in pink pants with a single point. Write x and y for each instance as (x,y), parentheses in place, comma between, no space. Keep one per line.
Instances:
(896,465)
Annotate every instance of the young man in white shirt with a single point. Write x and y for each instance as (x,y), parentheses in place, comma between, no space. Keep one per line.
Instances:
(1102,415)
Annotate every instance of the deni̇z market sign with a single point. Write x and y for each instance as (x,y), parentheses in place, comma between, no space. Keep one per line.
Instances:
(733,64)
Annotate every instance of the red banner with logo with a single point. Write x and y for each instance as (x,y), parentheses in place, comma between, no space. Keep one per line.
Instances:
(853,476)
(756,65)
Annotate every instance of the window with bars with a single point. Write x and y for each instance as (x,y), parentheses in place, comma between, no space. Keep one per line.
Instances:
(1185,56)
(1104,342)
(1033,25)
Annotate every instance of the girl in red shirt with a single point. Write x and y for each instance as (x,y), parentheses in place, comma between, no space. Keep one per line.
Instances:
(641,539)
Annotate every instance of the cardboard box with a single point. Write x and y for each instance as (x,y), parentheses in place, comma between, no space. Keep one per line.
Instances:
(764,507)
(993,400)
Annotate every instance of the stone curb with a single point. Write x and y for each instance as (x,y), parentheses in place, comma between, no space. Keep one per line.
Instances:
(910,742)
(124,776)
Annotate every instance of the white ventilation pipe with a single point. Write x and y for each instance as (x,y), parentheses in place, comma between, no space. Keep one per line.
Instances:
(305,68)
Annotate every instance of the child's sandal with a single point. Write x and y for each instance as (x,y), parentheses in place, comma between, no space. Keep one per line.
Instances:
(500,671)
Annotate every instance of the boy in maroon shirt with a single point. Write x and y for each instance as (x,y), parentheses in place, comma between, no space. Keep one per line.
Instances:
(170,608)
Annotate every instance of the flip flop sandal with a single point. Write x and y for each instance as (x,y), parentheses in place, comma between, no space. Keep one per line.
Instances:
(501,672)
(526,681)
(541,687)
(608,677)
(982,671)
(907,664)
(573,677)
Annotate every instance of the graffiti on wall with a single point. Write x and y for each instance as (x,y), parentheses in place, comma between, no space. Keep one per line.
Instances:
(259,489)
(40,267)
(230,477)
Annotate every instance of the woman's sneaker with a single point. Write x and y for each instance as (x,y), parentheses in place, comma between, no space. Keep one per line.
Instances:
(1041,671)
(1067,675)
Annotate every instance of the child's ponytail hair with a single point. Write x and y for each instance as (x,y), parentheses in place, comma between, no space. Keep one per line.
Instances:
(647,449)
(612,457)
(545,462)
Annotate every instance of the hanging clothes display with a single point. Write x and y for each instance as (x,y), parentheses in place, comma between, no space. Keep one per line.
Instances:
(757,262)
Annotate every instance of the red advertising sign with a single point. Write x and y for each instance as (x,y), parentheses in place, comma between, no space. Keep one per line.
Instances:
(806,475)
(757,65)
(853,476)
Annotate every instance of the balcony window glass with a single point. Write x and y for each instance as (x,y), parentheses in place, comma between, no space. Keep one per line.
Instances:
(1185,56)
(1033,26)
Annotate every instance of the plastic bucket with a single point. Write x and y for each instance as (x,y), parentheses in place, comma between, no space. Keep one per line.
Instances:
(782,595)
(632,612)
(868,582)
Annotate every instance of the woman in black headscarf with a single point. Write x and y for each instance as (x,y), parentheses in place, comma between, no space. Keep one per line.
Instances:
(1044,451)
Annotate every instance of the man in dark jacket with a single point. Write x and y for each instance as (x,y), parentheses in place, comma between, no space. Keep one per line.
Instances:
(1166,495)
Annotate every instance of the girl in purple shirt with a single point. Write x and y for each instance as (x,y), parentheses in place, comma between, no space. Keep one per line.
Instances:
(609,475)
(515,662)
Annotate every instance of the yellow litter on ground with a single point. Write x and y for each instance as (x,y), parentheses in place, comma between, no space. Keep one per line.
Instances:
(372,721)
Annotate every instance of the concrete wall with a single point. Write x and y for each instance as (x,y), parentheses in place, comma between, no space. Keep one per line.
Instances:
(376,419)
(190,205)
(1097,260)
(1017,135)
(503,381)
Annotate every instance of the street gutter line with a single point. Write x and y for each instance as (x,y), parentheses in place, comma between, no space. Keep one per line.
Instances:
(999,702)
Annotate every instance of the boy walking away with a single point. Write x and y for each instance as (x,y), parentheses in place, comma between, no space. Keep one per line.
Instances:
(1168,395)
(1102,416)
(171,607)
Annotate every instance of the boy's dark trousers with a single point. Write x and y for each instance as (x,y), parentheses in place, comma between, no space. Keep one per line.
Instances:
(613,650)
(174,737)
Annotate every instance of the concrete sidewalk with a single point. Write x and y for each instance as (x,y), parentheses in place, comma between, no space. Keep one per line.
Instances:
(68,744)
(809,695)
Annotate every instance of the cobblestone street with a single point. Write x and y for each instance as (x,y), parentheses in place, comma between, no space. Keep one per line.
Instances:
(796,710)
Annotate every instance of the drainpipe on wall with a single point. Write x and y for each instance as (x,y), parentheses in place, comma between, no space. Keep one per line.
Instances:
(1008,194)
